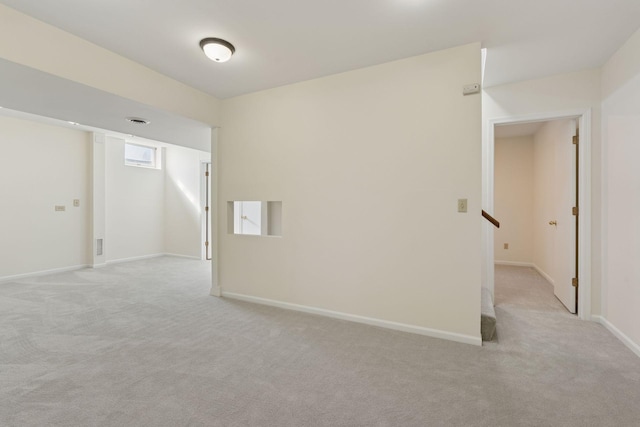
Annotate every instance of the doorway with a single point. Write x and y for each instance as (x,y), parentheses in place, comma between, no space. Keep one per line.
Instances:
(535,188)
(580,302)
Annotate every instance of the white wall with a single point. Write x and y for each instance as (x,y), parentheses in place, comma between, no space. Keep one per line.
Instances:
(557,94)
(42,166)
(134,206)
(134,212)
(621,207)
(98,255)
(514,199)
(369,165)
(182,200)
(153,211)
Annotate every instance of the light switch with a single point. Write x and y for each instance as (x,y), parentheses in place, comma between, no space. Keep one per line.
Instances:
(76,202)
(462,205)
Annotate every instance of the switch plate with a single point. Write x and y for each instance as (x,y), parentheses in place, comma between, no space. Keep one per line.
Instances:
(76,202)
(506,246)
(60,208)
(462,205)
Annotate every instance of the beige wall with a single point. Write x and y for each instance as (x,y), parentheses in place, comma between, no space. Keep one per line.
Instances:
(369,165)
(621,207)
(42,166)
(513,187)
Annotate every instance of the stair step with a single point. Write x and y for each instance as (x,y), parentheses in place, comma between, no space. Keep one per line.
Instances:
(487,316)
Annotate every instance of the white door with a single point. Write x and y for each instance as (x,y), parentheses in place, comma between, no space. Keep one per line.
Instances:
(564,222)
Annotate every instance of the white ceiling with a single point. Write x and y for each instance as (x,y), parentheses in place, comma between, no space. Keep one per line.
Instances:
(284,41)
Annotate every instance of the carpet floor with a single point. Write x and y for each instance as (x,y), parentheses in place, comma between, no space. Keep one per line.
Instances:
(143,344)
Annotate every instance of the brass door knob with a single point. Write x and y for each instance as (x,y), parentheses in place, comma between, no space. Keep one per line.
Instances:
(553,223)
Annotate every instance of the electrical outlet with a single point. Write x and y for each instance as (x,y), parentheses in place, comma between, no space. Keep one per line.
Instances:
(506,246)
(462,205)
(471,89)
(76,202)
(60,208)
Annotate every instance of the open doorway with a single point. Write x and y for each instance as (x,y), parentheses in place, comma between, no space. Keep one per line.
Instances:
(575,250)
(535,196)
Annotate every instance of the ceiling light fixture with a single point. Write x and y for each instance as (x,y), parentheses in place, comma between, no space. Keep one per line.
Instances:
(217,49)
(74,123)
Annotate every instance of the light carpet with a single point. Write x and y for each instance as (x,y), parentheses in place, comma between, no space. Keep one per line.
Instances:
(143,344)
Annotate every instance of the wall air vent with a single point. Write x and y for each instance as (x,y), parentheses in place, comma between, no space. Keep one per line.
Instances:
(138,121)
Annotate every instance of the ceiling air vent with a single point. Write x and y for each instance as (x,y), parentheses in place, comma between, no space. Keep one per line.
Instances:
(138,121)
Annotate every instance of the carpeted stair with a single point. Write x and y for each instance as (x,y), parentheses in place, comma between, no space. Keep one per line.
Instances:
(487,316)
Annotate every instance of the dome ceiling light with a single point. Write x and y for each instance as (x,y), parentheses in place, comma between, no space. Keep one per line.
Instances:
(217,50)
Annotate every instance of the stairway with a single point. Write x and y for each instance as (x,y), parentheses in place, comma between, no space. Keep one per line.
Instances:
(487,316)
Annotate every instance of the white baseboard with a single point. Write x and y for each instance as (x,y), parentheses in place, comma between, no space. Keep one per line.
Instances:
(451,336)
(184,256)
(80,267)
(135,258)
(543,274)
(143,257)
(515,263)
(618,334)
(43,272)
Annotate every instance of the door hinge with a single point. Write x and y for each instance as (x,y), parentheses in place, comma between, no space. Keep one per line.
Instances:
(207,172)
(576,140)
(574,282)
(574,211)
(206,208)
(206,243)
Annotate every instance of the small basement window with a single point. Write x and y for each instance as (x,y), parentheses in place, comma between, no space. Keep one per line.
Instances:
(140,155)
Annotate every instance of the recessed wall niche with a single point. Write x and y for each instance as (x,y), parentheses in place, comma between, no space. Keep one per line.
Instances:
(255,218)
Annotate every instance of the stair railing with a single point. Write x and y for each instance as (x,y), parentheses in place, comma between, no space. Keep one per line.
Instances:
(491,219)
